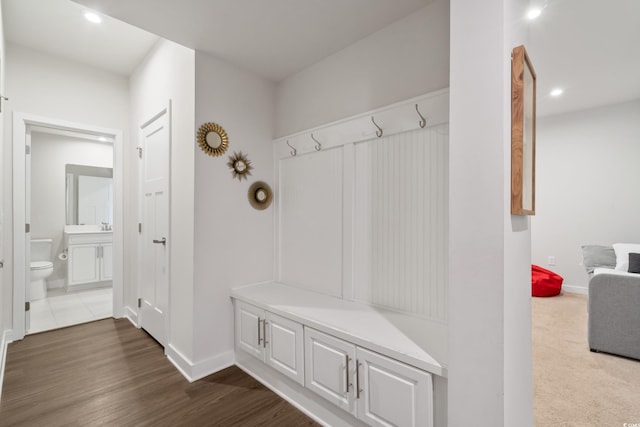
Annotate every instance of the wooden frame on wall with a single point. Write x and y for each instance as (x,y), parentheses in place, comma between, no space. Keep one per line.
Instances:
(523,133)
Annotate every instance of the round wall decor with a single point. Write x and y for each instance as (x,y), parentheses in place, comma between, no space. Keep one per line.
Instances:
(240,165)
(213,139)
(260,195)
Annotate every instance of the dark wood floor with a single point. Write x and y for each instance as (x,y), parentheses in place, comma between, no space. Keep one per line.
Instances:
(109,373)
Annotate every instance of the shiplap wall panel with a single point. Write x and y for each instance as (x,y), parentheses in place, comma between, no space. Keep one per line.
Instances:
(401,222)
(310,220)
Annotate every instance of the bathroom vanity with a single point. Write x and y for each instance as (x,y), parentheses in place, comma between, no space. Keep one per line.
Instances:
(90,255)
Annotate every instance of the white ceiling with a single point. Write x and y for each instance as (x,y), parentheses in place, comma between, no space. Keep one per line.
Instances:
(591,49)
(273,38)
(588,47)
(58,27)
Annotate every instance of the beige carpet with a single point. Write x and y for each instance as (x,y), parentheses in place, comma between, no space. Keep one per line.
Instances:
(573,386)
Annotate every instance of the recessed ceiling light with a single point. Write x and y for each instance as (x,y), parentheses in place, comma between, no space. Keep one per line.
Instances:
(92,17)
(556,92)
(533,13)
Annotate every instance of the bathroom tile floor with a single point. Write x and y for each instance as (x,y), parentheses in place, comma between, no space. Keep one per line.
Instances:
(60,309)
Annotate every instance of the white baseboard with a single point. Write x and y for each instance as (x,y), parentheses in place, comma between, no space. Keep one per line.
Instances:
(195,371)
(132,315)
(5,339)
(301,398)
(575,289)
(56,284)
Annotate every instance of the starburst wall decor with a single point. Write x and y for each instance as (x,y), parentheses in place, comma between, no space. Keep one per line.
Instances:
(240,165)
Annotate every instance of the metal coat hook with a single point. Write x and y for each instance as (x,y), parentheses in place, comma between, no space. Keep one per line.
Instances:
(2,98)
(423,121)
(318,145)
(293,150)
(379,132)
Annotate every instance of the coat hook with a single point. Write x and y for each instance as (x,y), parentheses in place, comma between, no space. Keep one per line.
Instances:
(318,145)
(293,150)
(423,121)
(379,132)
(2,98)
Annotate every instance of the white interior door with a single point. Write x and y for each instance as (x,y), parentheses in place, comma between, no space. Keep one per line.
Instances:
(156,144)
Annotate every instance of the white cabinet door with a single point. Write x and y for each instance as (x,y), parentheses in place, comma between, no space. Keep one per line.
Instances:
(250,329)
(329,368)
(285,347)
(106,261)
(83,264)
(392,393)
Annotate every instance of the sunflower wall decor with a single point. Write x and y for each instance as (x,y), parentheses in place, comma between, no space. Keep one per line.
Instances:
(213,139)
(240,165)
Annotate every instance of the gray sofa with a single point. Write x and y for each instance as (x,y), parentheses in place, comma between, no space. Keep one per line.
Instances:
(614,314)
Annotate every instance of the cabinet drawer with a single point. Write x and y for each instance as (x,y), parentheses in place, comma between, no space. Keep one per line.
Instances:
(73,239)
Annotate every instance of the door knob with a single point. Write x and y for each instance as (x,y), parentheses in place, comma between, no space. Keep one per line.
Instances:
(163,241)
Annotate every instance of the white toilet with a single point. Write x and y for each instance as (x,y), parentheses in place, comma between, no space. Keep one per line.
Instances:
(41,268)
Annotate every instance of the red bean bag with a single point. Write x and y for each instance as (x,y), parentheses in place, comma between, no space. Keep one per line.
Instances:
(544,283)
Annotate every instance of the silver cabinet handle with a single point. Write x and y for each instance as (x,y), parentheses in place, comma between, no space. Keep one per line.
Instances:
(358,364)
(264,333)
(163,241)
(346,360)
(259,339)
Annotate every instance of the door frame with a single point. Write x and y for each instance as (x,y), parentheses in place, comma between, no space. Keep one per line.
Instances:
(21,124)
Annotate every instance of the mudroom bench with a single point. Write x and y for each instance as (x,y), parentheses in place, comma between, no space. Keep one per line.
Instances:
(377,365)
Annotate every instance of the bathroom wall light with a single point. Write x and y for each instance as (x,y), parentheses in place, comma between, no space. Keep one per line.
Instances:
(92,17)
(556,92)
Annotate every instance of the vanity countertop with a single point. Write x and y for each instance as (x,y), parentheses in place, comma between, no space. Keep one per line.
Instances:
(85,229)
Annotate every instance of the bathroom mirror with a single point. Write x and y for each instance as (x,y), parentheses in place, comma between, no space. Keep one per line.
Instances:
(89,195)
(213,139)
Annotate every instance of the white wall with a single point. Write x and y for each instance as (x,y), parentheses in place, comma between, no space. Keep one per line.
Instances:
(4,278)
(49,155)
(51,87)
(234,242)
(518,359)
(489,313)
(403,60)
(166,73)
(587,174)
